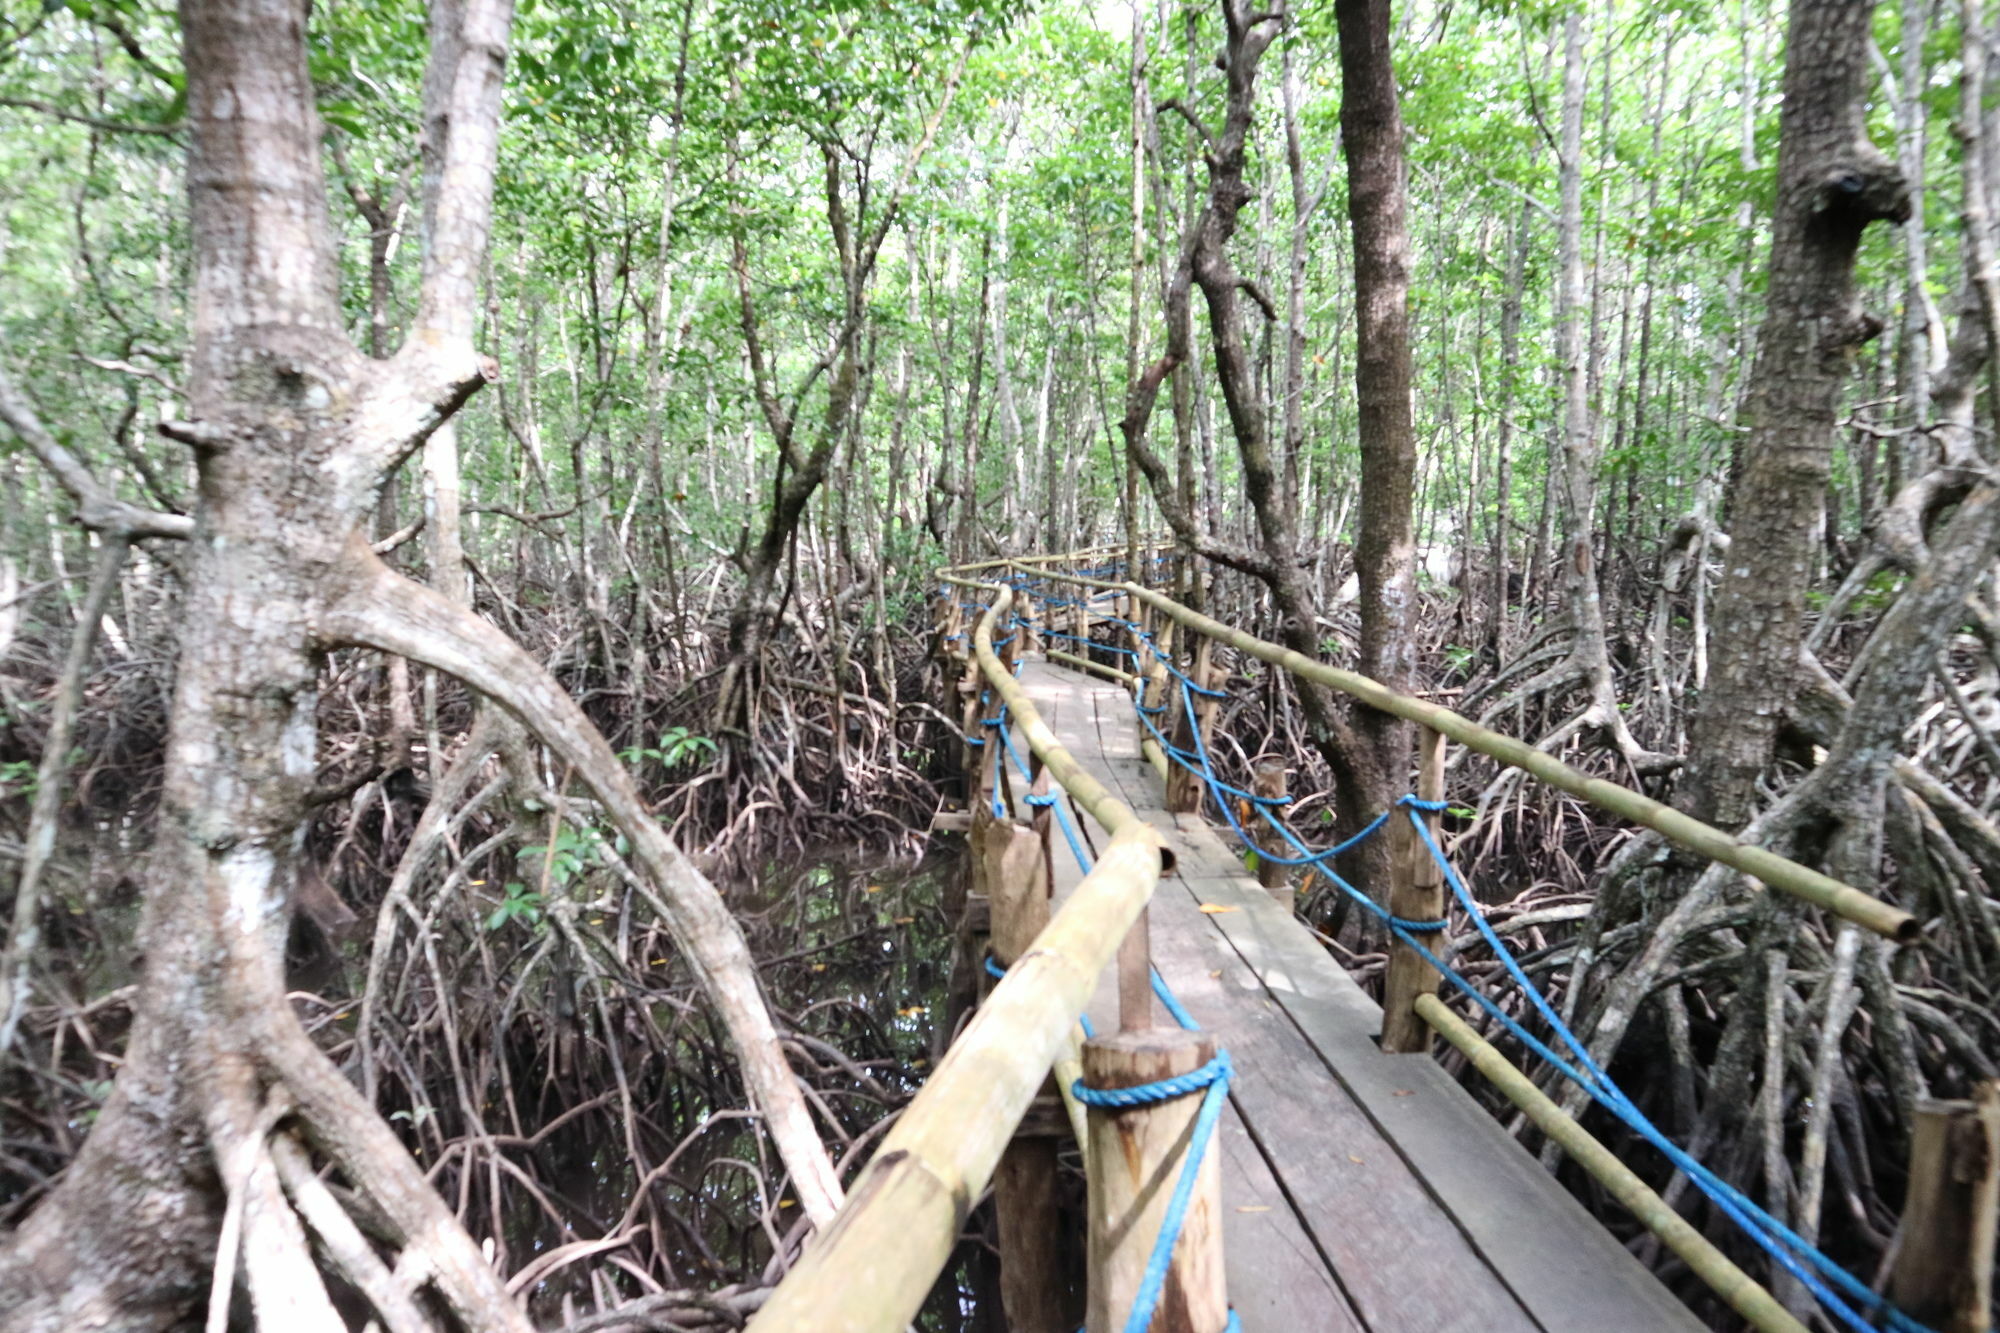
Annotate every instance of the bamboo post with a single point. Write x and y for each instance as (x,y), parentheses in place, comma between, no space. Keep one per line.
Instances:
(1416,893)
(1024,1183)
(1135,1158)
(1944,1263)
(1267,780)
(1186,789)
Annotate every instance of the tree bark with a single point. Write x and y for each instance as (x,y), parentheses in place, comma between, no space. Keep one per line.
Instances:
(1371,131)
(1832,182)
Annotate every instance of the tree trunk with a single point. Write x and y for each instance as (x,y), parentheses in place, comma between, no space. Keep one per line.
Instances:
(293,431)
(1371,128)
(1832,182)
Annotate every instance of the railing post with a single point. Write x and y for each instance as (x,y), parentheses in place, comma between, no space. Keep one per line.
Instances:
(1267,780)
(946,614)
(1024,1183)
(1135,1158)
(1156,675)
(1185,789)
(1416,893)
(1944,1263)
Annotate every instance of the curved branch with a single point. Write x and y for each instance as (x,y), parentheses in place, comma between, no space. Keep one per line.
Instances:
(378,608)
(96,507)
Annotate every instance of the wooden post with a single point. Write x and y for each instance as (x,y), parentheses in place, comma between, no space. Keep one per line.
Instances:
(1267,779)
(1135,976)
(947,625)
(1158,687)
(968,693)
(1416,893)
(1024,1183)
(1135,1158)
(1944,1263)
(1185,789)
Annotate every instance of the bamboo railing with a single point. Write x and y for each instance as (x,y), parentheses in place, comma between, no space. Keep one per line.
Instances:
(870,1272)
(1685,830)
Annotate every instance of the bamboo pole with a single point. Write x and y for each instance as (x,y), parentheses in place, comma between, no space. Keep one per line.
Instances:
(1743,1294)
(1776,871)
(1416,893)
(870,1271)
(1085,664)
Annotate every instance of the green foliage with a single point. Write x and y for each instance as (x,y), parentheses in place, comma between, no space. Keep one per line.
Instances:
(519,903)
(678,746)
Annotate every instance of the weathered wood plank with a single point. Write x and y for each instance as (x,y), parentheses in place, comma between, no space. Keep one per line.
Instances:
(1399,1259)
(1496,1225)
(1561,1264)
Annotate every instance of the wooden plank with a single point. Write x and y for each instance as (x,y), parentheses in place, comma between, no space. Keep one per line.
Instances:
(1278,1280)
(1551,1255)
(1399,1258)
(1568,1271)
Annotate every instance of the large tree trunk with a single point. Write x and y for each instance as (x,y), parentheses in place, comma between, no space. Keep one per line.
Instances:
(1832,182)
(293,431)
(1365,784)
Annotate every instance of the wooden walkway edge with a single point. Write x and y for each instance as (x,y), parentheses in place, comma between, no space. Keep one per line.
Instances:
(1362,1191)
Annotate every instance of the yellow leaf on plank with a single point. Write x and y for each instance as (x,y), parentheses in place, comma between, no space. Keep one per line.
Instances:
(1213,908)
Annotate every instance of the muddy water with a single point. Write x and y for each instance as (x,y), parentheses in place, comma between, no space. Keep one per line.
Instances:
(856,956)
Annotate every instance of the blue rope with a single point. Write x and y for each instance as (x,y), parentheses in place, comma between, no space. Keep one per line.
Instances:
(1054,802)
(1161,1090)
(1786,1247)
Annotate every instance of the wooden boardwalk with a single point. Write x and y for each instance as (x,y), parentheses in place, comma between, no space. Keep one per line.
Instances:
(1361,1191)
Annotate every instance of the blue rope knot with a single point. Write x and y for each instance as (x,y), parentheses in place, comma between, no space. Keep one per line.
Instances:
(1160,1090)
(1417,927)
(1041,799)
(1428,807)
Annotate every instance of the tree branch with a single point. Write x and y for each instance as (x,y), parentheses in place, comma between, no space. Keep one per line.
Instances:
(378,608)
(96,507)
(108,126)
